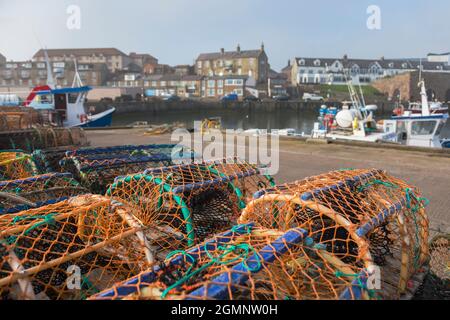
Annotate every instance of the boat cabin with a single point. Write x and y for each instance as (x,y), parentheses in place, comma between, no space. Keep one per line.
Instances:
(416,131)
(67,104)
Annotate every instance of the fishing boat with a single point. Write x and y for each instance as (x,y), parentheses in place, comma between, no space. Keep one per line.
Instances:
(66,106)
(421,129)
(355,121)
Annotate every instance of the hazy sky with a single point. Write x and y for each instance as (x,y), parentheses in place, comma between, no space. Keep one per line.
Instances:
(176,31)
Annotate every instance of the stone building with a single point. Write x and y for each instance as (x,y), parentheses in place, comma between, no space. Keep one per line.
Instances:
(112,57)
(405,87)
(251,63)
(142,59)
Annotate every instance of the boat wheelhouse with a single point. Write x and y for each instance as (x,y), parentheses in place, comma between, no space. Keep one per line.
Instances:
(65,107)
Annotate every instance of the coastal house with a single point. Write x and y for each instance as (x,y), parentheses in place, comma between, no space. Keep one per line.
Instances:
(112,57)
(439,57)
(251,63)
(364,71)
(34,73)
(219,86)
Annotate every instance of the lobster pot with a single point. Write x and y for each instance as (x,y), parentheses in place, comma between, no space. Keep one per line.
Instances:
(384,210)
(48,160)
(130,151)
(70,250)
(37,191)
(248,263)
(97,173)
(42,138)
(195,200)
(15,120)
(248,184)
(16,164)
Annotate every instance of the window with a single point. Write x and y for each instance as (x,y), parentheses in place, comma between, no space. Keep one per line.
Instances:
(302,62)
(211,92)
(317,63)
(199,64)
(163,83)
(72,97)
(239,92)
(220,91)
(422,128)
(154,84)
(220,83)
(211,83)
(41,65)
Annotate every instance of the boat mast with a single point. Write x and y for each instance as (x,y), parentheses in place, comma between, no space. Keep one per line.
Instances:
(50,80)
(76,79)
(423,93)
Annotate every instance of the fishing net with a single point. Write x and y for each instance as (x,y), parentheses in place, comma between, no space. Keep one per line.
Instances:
(97,168)
(384,210)
(16,164)
(71,249)
(37,191)
(437,282)
(248,263)
(194,200)
(48,160)
(43,138)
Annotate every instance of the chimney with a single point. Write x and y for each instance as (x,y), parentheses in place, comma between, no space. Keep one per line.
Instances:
(289,62)
(238,49)
(345,57)
(382,58)
(262,46)
(222,50)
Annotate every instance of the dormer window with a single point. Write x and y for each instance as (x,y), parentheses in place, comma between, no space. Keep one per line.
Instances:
(439,67)
(391,65)
(302,62)
(404,65)
(317,63)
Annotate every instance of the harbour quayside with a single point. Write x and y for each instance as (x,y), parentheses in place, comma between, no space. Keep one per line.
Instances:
(65,107)
(416,127)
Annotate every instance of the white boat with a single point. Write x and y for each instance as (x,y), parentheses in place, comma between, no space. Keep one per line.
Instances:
(356,122)
(418,129)
(65,106)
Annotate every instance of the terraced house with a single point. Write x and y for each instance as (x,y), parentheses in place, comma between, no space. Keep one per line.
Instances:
(112,57)
(250,63)
(364,71)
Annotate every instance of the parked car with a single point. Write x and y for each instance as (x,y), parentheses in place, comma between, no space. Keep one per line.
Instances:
(172,98)
(312,97)
(230,97)
(251,98)
(281,97)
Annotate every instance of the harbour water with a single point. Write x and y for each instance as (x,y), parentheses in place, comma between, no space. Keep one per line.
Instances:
(301,120)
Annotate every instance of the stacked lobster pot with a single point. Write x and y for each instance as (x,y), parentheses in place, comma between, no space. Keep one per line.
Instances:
(190,202)
(382,214)
(97,168)
(250,263)
(37,191)
(16,164)
(71,249)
